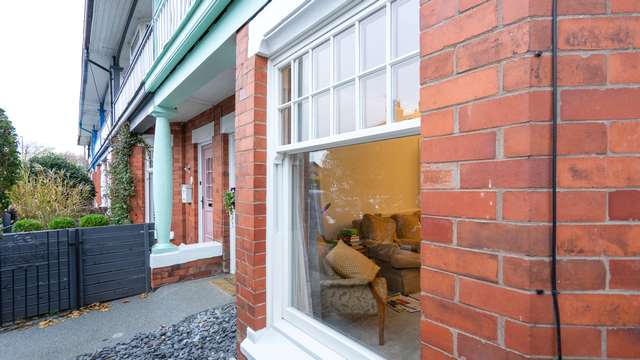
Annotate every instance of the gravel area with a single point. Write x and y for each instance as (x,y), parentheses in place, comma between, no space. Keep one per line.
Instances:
(210,334)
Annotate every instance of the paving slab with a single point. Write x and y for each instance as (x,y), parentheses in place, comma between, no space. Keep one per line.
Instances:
(127,317)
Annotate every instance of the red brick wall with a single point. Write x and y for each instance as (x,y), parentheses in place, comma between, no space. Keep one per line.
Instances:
(185,171)
(190,176)
(251,144)
(191,270)
(96,177)
(137,201)
(486,103)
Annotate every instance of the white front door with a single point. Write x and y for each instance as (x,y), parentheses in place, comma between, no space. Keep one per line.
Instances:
(232,217)
(206,202)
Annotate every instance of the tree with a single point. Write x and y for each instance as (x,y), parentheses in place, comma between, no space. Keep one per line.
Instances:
(73,173)
(9,158)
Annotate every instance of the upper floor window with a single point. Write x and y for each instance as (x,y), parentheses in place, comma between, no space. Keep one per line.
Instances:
(361,75)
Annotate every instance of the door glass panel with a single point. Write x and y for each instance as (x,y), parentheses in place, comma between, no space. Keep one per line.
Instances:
(406,27)
(345,54)
(345,108)
(321,111)
(209,179)
(372,42)
(321,73)
(406,89)
(374,101)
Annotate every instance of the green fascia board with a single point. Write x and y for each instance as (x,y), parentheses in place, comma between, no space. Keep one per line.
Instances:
(210,56)
(195,23)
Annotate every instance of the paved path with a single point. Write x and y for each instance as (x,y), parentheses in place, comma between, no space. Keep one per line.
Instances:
(95,330)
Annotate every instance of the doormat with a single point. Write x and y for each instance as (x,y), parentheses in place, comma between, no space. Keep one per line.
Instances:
(401,303)
(226,284)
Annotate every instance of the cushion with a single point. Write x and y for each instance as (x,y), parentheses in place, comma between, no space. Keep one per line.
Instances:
(378,228)
(380,251)
(350,263)
(403,259)
(408,226)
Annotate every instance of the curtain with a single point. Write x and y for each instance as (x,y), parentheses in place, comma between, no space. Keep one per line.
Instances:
(301,287)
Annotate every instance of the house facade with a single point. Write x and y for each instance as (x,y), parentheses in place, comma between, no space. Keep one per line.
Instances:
(412,179)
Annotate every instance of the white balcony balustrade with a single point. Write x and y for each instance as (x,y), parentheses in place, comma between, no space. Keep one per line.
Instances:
(167,19)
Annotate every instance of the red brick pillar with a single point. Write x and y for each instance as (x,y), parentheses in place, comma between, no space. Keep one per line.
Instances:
(220,185)
(251,145)
(599,174)
(486,103)
(137,201)
(96,176)
(179,173)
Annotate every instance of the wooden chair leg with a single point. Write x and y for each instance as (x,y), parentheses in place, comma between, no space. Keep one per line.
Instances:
(381,314)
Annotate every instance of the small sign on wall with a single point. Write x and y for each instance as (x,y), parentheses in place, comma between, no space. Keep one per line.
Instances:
(187,193)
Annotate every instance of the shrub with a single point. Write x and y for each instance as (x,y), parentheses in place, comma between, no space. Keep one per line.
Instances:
(26,225)
(47,195)
(121,186)
(73,173)
(93,220)
(61,223)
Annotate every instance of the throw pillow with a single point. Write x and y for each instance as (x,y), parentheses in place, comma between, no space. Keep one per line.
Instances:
(351,264)
(378,228)
(408,226)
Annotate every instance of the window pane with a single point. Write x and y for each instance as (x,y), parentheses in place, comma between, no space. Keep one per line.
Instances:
(345,53)
(285,83)
(322,114)
(303,75)
(285,126)
(321,73)
(406,89)
(338,190)
(345,108)
(374,103)
(406,28)
(373,40)
(303,120)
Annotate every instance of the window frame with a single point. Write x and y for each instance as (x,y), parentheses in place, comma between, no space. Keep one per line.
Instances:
(280,314)
(291,58)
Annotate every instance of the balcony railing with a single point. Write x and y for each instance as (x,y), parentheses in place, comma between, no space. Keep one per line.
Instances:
(132,81)
(167,19)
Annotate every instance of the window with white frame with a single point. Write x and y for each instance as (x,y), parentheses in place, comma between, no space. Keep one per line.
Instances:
(364,74)
(347,118)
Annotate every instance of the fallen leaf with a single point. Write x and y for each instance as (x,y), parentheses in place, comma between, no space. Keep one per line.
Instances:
(46,323)
(75,314)
(143,296)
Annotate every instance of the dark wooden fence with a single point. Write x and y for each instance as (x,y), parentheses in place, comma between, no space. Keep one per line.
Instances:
(46,272)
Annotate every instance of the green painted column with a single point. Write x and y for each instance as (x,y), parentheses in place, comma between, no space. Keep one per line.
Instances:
(162,180)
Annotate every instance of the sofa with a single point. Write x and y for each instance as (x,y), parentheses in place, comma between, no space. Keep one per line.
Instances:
(393,242)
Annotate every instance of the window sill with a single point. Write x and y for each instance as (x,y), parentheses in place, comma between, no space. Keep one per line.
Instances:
(186,253)
(274,341)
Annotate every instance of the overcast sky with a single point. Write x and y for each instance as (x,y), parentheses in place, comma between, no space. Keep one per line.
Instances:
(40,57)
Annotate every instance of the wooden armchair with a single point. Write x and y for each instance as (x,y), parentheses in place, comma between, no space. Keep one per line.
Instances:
(354,297)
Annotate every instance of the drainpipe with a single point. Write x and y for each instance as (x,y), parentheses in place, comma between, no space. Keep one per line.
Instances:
(554,173)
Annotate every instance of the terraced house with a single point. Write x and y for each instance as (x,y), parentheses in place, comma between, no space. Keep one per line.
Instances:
(412,178)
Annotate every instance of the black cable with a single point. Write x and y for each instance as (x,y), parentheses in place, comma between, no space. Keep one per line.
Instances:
(554,170)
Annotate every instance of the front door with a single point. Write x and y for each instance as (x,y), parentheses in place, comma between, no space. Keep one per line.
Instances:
(207,193)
